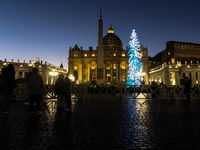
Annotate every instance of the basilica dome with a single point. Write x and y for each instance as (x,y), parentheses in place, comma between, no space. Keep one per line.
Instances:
(111,41)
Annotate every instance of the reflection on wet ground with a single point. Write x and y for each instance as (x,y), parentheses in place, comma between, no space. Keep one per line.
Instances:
(103,124)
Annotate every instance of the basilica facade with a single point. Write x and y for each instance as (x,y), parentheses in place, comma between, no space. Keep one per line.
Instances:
(83,63)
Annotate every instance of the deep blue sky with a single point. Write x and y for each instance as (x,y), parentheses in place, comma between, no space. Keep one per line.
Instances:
(47,28)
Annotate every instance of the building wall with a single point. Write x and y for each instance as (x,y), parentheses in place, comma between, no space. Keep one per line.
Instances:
(85,63)
(178,61)
(48,72)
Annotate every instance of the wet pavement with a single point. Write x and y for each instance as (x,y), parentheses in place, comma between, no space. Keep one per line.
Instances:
(103,124)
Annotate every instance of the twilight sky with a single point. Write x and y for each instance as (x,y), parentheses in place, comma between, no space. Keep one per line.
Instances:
(47,28)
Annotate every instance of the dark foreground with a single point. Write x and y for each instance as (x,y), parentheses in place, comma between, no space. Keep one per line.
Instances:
(131,124)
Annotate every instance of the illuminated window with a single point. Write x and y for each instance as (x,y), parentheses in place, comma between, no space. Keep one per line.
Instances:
(85,55)
(123,55)
(93,65)
(168,53)
(123,65)
(75,66)
(75,54)
(114,54)
(114,66)
(108,66)
(93,55)
(108,77)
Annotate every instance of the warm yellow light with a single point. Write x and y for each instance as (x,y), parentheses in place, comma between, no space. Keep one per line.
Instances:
(123,55)
(114,54)
(114,66)
(75,54)
(93,65)
(53,73)
(107,66)
(75,66)
(141,73)
(123,65)
(93,55)
(71,77)
(110,31)
(85,55)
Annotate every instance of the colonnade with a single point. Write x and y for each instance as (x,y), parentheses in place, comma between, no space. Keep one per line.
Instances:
(174,77)
(114,73)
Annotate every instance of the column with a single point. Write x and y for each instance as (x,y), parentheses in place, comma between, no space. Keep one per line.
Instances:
(47,79)
(163,77)
(96,72)
(187,74)
(117,71)
(193,78)
(126,77)
(82,73)
(111,75)
(88,75)
(17,74)
(120,74)
(71,68)
(177,78)
(23,74)
(51,80)
(96,75)
(104,73)
(167,78)
(199,78)
(80,70)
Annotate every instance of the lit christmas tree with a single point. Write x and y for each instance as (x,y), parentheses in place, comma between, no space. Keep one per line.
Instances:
(135,66)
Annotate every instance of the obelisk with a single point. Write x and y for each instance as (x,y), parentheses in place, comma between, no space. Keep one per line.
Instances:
(100,52)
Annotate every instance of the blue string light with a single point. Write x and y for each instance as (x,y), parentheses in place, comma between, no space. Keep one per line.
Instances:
(134,64)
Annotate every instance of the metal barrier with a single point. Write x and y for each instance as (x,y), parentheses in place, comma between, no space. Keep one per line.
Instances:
(115,92)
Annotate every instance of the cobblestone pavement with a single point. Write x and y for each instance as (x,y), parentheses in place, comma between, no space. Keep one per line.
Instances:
(127,124)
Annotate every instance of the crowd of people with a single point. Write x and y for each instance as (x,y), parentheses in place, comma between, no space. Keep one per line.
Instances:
(35,87)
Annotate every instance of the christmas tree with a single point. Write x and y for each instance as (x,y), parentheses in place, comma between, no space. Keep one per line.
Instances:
(134,64)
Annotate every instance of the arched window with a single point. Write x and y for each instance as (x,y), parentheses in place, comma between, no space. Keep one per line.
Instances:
(75,54)
(114,66)
(123,65)
(108,65)
(75,66)
(93,65)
